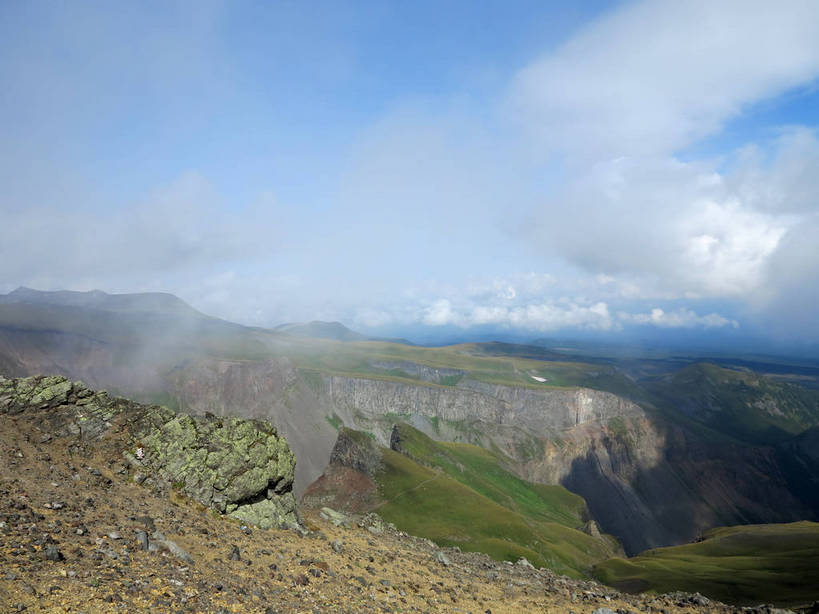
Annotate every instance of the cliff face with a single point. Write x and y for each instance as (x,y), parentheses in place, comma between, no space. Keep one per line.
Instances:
(536,410)
(651,483)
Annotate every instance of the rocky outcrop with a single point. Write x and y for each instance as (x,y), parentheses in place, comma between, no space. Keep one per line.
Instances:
(348,482)
(238,467)
(358,451)
(270,390)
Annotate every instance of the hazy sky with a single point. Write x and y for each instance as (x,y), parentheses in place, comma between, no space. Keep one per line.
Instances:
(525,166)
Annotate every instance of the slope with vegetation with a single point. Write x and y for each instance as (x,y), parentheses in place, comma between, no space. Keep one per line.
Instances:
(744,565)
(460,495)
(739,403)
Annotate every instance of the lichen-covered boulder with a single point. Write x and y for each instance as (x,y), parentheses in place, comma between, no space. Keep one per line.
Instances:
(239,467)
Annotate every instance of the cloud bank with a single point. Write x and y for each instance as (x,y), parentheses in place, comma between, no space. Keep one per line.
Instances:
(568,192)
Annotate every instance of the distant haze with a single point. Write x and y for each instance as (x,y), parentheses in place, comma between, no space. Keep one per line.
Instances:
(613,170)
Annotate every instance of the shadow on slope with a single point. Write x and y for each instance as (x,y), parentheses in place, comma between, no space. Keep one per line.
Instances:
(744,565)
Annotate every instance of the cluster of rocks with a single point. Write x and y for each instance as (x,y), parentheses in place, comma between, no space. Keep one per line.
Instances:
(238,467)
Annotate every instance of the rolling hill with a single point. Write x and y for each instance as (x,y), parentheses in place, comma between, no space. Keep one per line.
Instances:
(744,565)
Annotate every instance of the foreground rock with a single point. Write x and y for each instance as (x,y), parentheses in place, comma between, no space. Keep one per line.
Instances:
(238,467)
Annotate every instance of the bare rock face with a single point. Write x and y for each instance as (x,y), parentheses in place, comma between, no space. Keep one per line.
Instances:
(536,410)
(238,467)
(348,481)
(357,451)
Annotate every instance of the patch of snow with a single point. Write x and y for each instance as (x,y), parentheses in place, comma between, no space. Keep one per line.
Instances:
(539,379)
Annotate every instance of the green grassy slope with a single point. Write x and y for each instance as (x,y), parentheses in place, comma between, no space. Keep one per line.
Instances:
(744,565)
(483,471)
(463,498)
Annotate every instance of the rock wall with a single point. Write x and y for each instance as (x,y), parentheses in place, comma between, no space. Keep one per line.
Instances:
(537,410)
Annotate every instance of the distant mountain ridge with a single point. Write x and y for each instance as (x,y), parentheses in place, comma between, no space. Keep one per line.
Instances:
(154,302)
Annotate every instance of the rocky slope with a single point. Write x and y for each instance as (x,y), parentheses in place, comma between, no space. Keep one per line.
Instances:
(81,532)
(234,466)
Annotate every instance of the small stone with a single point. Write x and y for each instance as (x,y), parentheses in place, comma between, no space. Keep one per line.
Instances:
(172,547)
(442,558)
(114,535)
(523,562)
(301,531)
(147,522)
(142,538)
(336,518)
(234,554)
(603,611)
(336,545)
(301,580)
(51,553)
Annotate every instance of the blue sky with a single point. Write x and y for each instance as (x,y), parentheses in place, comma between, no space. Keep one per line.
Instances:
(531,168)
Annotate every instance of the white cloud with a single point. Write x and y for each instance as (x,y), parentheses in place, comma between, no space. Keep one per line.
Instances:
(679,318)
(627,92)
(545,316)
(436,190)
(674,229)
(655,76)
(440,313)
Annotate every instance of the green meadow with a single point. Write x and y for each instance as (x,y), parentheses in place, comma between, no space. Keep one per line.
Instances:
(460,495)
(744,565)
